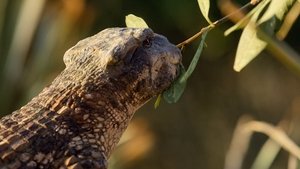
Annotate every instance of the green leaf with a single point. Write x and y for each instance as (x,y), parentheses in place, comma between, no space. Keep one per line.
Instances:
(157,101)
(173,94)
(243,22)
(276,8)
(204,8)
(133,21)
(196,57)
(250,45)
(248,48)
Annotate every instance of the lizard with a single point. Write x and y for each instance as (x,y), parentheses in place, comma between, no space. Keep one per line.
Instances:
(77,120)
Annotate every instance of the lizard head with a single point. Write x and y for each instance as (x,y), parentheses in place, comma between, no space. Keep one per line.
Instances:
(115,72)
(148,58)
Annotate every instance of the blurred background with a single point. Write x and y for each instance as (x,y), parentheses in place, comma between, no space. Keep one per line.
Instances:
(194,133)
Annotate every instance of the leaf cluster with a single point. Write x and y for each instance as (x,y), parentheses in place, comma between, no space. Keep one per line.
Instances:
(264,17)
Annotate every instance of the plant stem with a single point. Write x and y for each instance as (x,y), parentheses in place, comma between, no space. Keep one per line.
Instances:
(283,52)
(216,23)
(189,40)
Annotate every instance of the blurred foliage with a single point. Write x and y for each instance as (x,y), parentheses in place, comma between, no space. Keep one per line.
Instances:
(195,132)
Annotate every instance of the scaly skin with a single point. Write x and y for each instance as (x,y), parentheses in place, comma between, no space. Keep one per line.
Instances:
(77,120)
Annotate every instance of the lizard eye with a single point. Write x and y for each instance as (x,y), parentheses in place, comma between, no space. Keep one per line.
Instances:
(147,43)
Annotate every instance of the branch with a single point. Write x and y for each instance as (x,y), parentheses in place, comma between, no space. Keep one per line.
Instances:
(216,23)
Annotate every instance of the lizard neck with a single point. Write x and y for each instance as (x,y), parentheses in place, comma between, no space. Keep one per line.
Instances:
(101,108)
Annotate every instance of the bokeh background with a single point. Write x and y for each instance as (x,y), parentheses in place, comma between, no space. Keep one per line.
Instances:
(194,133)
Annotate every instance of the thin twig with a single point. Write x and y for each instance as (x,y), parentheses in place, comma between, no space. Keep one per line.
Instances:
(216,23)
(226,18)
(189,40)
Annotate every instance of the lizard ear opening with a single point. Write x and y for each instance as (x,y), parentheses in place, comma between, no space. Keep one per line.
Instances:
(129,56)
(122,58)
